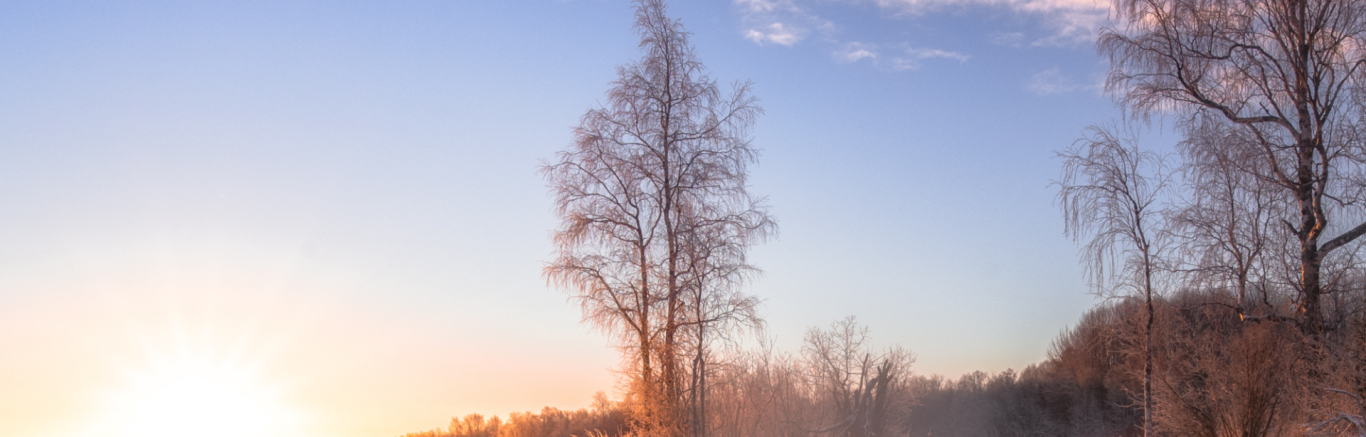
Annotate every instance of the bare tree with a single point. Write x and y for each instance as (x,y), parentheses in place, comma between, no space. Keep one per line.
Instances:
(1227,222)
(655,213)
(1286,75)
(716,306)
(859,384)
(760,393)
(1109,193)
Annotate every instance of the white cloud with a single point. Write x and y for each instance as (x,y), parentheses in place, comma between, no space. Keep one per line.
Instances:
(1070,21)
(780,22)
(911,58)
(904,64)
(860,54)
(1067,22)
(1052,81)
(1073,27)
(901,59)
(1049,82)
(917,7)
(791,22)
(776,33)
(761,5)
(936,53)
(855,51)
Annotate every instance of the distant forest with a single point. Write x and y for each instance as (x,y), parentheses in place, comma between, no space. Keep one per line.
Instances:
(1235,298)
(1216,375)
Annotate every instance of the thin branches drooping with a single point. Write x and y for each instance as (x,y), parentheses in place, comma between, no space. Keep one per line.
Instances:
(656,217)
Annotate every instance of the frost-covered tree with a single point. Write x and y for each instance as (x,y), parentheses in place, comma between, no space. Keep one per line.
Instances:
(1284,78)
(1109,194)
(656,217)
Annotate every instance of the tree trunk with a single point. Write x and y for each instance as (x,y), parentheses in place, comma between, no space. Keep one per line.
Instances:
(1148,371)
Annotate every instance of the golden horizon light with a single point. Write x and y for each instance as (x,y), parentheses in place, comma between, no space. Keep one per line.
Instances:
(214,398)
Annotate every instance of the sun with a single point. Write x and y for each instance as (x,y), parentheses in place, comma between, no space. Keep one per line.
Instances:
(208,403)
(201,397)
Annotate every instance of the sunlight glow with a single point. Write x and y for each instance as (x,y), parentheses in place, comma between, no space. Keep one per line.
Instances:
(189,396)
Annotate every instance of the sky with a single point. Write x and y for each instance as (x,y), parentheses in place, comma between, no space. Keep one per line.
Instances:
(333,207)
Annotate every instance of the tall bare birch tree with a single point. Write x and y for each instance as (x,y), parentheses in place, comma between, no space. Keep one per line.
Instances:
(1109,195)
(656,215)
(1287,76)
(1227,223)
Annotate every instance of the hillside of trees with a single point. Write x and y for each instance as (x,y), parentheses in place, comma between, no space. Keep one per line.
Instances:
(1215,374)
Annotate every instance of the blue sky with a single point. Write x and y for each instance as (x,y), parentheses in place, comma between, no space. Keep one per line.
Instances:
(343,196)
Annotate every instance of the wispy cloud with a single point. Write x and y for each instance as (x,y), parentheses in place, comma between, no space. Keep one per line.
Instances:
(1008,39)
(856,51)
(1052,81)
(912,58)
(791,22)
(935,53)
(1070,21)
(763,5)
(901,58)
(781,22)
(776,33)
(788,22)
(1073,27)
(855,55)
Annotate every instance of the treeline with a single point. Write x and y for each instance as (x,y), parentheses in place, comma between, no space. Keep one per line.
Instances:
(1216,373)
(839,385)
(1219,369)
(603,419)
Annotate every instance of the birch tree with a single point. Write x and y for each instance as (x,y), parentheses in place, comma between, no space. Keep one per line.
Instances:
(656,215)
(1109,196)
(1286,75)
(716,306)
(1227,223)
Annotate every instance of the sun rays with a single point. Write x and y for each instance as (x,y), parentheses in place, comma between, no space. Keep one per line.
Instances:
(211,400)
(208,378)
